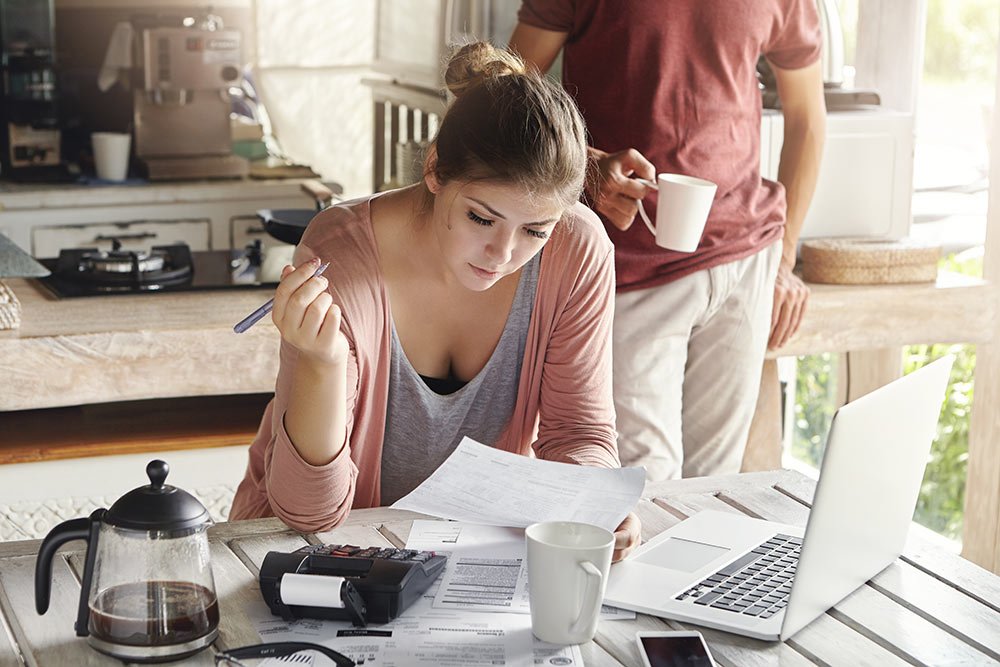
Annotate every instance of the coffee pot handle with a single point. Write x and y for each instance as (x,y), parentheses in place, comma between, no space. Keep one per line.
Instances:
(74,529)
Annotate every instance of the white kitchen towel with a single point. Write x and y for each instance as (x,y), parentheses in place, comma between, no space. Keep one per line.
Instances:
(118,56)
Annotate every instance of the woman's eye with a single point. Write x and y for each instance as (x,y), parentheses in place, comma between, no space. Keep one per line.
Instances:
(479,220)
(537,234)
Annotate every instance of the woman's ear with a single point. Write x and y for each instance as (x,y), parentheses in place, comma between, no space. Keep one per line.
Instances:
(430,170)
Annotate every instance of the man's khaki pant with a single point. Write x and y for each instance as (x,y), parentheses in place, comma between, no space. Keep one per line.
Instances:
(687,367)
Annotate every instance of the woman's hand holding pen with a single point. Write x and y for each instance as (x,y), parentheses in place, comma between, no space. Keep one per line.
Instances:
(306,316)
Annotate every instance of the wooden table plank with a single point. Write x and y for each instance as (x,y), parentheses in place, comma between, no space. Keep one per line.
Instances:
(251,550)
(957,620)
(46,640)
(9,655)
(825,640)
(956,572)
(942,605)
(236,587)
(654,519)
(595,656)
(947,607)
(911,636)
(618,639)
(359,536)
(702,485)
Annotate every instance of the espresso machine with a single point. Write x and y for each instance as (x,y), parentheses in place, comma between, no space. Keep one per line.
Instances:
(181,100)
(29,119)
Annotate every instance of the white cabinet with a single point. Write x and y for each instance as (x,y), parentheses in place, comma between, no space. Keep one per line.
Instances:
(866,178)
(138,235)
(206,215)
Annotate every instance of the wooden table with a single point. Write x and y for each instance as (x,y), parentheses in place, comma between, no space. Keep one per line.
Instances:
(928,608)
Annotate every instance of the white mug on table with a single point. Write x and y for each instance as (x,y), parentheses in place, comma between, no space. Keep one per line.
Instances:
(568,565)
(681,212)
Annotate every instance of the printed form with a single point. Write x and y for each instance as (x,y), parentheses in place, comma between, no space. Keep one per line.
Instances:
(434,639)
(480,484)
(485,571)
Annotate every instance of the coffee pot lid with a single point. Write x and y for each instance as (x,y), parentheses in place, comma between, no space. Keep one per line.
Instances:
(157,506)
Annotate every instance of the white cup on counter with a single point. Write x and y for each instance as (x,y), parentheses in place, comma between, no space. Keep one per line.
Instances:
(111,153)
(568,564)
(681,210)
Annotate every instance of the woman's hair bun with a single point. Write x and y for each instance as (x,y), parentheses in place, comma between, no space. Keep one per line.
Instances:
(477,62)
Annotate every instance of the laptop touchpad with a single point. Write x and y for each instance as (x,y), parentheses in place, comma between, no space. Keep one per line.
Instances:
(683,555)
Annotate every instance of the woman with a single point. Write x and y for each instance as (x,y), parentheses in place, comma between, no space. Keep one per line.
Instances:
(477,302)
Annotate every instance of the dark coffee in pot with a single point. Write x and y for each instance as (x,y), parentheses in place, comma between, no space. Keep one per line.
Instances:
(154,613)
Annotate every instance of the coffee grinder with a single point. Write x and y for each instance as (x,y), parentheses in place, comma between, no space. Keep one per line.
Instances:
(29,119)
(181,99)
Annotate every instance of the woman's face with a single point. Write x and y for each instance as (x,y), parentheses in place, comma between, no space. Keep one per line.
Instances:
(489,230)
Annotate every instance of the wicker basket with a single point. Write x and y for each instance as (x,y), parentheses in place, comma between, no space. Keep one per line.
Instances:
(865,261)
(10,308)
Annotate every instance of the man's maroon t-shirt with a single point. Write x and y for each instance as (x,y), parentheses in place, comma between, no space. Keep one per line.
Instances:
(676,80)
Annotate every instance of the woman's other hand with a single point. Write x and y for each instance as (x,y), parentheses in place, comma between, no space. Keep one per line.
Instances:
(627,537)
(306,316)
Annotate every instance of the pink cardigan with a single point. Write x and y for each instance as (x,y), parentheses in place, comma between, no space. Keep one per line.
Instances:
(564,410)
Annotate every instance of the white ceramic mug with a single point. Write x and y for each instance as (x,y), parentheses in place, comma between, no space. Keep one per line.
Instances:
(681,212)
(568,566)
(111,151)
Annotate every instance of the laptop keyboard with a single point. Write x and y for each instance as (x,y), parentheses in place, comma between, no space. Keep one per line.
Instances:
(756,584)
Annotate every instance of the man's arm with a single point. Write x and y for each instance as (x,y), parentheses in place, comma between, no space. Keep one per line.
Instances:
(614,193)
(537,46)
(804,110)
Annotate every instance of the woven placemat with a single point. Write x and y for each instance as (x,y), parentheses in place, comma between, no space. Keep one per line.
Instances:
(10,308)
(867,261)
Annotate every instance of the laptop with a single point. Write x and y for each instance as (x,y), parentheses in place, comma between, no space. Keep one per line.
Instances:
(769,580)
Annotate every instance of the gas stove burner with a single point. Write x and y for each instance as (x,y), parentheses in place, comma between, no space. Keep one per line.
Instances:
(86,272)
(120,270)
(123,261)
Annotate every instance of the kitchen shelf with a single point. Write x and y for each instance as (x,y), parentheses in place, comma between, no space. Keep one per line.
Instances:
(129,427)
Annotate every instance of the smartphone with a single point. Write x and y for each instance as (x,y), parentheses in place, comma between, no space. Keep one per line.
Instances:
(674,649)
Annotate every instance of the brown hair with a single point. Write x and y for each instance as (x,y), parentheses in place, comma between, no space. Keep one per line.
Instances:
(509,123)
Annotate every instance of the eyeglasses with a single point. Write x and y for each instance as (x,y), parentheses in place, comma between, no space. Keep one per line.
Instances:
(232,657)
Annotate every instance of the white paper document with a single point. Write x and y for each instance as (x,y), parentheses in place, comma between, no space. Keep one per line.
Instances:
(486,568)
(481,484)
(432,639)
(446,641)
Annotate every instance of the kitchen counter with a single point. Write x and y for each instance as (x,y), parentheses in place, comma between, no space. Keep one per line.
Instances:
(121,348)
(34,196)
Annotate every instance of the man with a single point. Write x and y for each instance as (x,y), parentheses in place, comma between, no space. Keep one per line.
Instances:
(671,87)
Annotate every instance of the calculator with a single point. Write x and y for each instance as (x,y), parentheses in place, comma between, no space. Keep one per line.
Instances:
(379,583)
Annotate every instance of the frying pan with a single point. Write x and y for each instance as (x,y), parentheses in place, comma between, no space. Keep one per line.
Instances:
(288,224)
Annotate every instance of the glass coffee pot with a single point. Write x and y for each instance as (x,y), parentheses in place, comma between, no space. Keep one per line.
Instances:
(147,592)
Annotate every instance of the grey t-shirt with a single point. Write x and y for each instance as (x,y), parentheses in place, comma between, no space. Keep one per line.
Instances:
(422,427)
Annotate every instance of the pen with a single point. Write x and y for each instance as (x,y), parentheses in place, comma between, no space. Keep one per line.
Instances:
(256,315)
